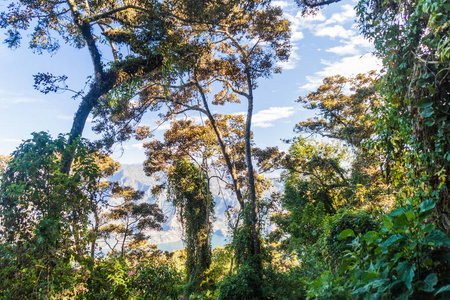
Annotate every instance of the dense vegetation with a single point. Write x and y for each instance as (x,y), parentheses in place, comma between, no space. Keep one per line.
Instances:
(365,212)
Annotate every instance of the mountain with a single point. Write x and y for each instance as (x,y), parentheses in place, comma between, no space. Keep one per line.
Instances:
(170,237)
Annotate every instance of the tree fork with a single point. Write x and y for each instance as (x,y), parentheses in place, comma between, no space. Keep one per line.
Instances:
(120,73)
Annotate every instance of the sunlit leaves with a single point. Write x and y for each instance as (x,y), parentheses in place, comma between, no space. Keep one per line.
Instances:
(131,219)
(346,233)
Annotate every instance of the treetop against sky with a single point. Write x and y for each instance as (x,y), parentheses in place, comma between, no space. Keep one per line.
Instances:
(325,44)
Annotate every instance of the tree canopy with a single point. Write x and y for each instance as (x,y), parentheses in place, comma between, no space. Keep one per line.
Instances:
(364,207)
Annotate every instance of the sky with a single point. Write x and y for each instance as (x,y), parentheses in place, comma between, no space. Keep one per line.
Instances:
(322,45)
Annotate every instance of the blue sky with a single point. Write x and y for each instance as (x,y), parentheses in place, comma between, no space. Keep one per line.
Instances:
(322,45)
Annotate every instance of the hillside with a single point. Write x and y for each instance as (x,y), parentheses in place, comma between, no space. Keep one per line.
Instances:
(170,238)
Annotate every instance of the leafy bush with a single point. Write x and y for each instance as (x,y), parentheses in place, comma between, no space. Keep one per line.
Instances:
(359,223)
(399,261)
(155,280)
(240,285)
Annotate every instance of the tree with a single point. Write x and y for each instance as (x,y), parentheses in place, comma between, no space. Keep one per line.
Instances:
(151,30)
(241,48)
(330,184)
(317,174)
(412,39)
(84,24)
(44,214)
(185,156)
(343,116)
(348,117)
(189,191)
(129,220)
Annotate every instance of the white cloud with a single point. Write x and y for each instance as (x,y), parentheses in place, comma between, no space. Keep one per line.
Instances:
(347,66)
(351,65)
(11,141)
(64,117)
(344,50)
(359,40)
(264,118)
(308,21)
(313,83)
(138,145)
(7,97)
(347,14)
(334,31)
(163,126)
(282,4)
(296,36)
(356,44)
(18,100)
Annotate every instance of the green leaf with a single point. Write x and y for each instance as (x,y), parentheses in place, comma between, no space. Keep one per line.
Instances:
(397,211)
(427,205)
(447,6)
(401,220)
(409,215)
(427,228)
(346,233)
(429,122)
(437,238)
(370,236)
(443,289)
(424,102)
(406,273)
(387,221)
(427,112)
(391,240)
(431,280)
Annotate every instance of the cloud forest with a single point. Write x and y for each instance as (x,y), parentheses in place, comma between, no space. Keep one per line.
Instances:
(362,204)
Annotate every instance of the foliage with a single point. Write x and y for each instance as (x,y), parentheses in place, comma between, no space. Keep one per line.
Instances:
(158,281)
(344,116)
(346,108)
(242,48)
(277,285)
(241,285)
(34,192)
(221,265)
(44,215)
(345,221)
(3,162)
(189,191)
(408,258)
(316,174)
(129,220)
(404,259)
(114,278)
(413,125)
(390,143)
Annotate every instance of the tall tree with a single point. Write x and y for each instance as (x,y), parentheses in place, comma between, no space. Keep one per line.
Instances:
(152,31)
(185,156)
(241,48)
(84,24)
(345,108)
(99,195)
(346,113)
(189,191)
(44,214)
(412,39)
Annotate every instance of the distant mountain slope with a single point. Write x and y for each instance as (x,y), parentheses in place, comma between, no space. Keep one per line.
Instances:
(170,238)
